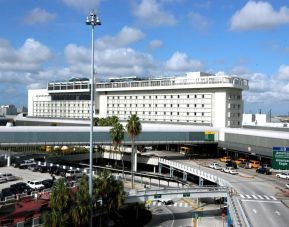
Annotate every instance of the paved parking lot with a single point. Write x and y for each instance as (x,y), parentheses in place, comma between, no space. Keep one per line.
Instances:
(24,175)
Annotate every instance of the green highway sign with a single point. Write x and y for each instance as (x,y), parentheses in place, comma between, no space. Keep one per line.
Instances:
(186,194)
(157,196)
(280,158)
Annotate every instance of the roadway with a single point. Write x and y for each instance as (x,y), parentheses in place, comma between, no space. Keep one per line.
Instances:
(257,194)
(180,214)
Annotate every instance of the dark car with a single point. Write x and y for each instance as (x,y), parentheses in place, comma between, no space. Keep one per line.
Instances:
(169,202)
(48,183)
(7,192)
(264,170)
(21,187)
(231,164)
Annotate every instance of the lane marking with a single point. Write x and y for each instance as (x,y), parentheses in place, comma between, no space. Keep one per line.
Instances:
(159,204)
(249,197)
(173,221)
(273,197)
(255,211)
(242,196)
(259,201)
(260,196)
(277,212)
(181,204)
(266,197)
(186,205)
(175,204)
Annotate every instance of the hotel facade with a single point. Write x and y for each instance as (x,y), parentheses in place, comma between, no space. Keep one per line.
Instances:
(197,98)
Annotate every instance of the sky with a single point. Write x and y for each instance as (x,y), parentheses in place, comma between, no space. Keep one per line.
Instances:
(47,40)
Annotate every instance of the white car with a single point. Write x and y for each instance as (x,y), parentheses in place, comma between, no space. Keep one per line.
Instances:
(215,165)
(74,173)
(283,175)
(287,186)
(2,180)
(8,176)
(36,185)
(230,170)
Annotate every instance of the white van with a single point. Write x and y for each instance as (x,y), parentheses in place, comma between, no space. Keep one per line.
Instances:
(73,173)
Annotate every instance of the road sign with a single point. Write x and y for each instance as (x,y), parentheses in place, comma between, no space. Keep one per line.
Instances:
(186,194)
(280,158)
(157,196)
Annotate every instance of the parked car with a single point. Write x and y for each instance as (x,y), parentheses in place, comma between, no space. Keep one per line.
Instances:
(21,187)
(231,164)
(73,173)
(287,186)
(215,165)
(36,185)
(230,170)
(168,202)
(48,183)
(7,192)
(264,170)
(283,175)
(240,161)
(33,168)
(26,163)
(254,164)
(8,176)
(2,180)
(225,159)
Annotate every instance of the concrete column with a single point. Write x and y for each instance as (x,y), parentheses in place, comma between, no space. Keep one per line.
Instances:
(150,182)
(201,181)
(185,175)
(154,169)
(171,171)
(135,162)
(8,160)
(160,168)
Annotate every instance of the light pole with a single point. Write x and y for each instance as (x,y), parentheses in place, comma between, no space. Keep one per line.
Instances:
(92,20)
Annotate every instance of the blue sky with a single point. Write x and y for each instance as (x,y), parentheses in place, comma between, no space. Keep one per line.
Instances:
(44,40)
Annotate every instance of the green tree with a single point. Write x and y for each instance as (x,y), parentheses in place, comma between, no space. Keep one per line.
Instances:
(117,135)
(134,128)
(60,203)
(80,210)
(110,191)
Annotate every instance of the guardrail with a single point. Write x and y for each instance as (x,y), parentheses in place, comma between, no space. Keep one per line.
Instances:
(195,171)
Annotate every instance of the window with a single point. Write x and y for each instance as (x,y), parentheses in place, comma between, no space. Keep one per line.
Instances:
(150,97)
(188,96)
(156,113)
(150,105)
(195,96)
(149,112)
(171,96)
(203,113)
(117,97)
(130,97)
(195,105)
(195,113)
(143,105)
(165,96)
(156,105)
(143,112)
(164,113)
(144,97)
(203,105)
(171,113)
(178,113)
(171,105)
(178,105)
(156,97)
(178,96)
(203,96)
(188,105)
(165,105)
(130,105)
(188,113)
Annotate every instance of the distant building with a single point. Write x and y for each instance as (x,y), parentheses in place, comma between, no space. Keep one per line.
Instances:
(255,119)
(8,110)
(196,98)
(22,109)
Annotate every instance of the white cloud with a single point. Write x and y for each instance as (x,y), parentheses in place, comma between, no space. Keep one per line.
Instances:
(126,36)
(180,62)
(29,57)
(154,44)
(150,12)
(258,15)
(84,5)
(38,16)
(200,22)
(283,72)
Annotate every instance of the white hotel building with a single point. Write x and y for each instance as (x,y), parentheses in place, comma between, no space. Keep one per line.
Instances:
(196,98)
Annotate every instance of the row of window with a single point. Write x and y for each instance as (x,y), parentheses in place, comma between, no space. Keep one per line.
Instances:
(155,105)
(159,113)
(159,96)
(60,105)
(234,97)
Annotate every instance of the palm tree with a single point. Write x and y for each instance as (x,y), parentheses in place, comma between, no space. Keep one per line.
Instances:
(60,201)
(117,135)
(80,210)
(134,128)
(110,191)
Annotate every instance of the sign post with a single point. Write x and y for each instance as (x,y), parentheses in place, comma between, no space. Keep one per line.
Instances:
(280,158)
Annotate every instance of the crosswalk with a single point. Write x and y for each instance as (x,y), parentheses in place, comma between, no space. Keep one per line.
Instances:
(180,204)
(258,197)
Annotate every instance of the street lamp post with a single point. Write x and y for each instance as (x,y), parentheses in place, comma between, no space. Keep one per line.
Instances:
(92,20)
